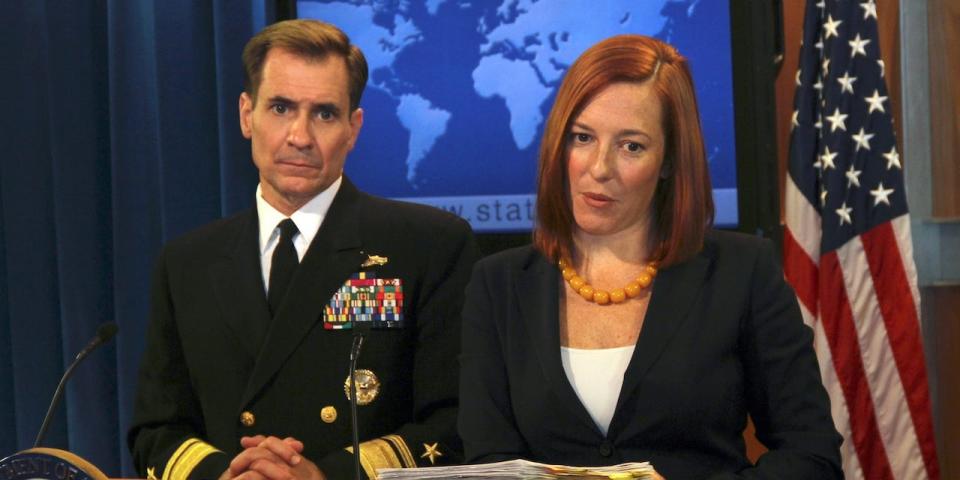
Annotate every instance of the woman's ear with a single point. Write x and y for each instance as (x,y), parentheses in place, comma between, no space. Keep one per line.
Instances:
(666,169)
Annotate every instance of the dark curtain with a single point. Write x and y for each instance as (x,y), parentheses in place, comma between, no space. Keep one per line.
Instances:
(119,132)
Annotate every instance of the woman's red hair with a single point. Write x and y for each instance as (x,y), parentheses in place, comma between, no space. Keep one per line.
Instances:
(683,203)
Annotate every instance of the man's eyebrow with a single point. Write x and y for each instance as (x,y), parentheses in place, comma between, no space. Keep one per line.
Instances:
(280,99)
(326,107)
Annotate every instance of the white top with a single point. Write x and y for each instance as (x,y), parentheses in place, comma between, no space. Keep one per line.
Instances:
(597,375)
(308,220)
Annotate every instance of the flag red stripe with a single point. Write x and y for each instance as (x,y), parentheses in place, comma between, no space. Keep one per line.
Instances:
(899,311)
(800,271)
(837,320)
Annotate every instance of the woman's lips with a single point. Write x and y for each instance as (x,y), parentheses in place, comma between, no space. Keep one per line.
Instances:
(597,200)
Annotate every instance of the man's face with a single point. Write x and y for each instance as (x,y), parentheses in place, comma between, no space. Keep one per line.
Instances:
(300,127)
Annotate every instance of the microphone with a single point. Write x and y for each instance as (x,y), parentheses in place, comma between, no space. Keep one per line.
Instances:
(105,332)
(358,334)
(362,324)
(361,328)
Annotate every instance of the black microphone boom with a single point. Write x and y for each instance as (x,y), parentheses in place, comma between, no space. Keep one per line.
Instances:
(104,333)
(360,330)
(358,334)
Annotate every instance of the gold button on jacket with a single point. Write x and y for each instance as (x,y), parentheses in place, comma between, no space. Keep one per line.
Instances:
(328,414)
(247,419)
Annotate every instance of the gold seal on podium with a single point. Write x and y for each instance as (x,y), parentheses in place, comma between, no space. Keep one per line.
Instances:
(48,464)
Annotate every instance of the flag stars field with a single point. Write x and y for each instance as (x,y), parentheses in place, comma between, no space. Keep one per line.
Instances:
(844,213)
(881,195)
(853,177)
(876,102)
(857,46)
(830,27)
(827,158)
(846,82)
(837,120)
(893,158)
(869,9)
(862,139)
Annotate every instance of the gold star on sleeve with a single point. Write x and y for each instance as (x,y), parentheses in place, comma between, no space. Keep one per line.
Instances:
(431,452)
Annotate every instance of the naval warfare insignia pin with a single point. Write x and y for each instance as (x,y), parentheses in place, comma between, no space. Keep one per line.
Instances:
(368,386)
(374,260)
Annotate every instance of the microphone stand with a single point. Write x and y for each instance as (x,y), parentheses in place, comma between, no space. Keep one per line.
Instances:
(104,333)
(53,405)
(358,334)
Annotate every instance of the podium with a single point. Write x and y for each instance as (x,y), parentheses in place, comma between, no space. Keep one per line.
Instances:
(48,464)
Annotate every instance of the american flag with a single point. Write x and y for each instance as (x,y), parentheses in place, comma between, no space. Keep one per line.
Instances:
(847,248)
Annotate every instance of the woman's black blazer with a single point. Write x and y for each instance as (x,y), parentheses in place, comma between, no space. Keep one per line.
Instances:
(723,337)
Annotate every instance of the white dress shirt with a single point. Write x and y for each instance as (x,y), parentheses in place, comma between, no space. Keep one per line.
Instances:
(308,220)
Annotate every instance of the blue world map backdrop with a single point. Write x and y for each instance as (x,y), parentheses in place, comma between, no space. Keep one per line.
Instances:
(459,91)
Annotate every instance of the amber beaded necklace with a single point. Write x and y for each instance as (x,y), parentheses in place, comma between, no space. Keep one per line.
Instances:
(602,297)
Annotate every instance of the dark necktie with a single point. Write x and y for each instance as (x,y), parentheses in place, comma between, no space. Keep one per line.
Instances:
(283,265)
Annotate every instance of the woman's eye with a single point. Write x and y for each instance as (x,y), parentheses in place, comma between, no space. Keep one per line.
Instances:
(633,147)
(581,137)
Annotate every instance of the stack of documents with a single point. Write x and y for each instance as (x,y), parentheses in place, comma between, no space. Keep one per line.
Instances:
(521,469)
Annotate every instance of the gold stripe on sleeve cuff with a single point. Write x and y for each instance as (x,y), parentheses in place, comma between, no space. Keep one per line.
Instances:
(401,447)
(376,454)
(176,456)
(187,456)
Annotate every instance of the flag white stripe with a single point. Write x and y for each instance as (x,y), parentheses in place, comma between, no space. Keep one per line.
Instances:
(892,412)
(802,220)
(901,229)
(838,404)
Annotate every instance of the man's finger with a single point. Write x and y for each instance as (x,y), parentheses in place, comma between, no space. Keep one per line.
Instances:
(255,441)
(272,470)
(250,475)
(242,461)
(247,442)
(296,444)
(287,450)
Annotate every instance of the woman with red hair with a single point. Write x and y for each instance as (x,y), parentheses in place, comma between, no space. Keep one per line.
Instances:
(631,330)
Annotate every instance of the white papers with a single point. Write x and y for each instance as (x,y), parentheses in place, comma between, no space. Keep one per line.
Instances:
(522,469)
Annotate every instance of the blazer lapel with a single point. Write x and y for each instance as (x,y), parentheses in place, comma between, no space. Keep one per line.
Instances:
(238,283)
(333,255)
(669,305)
(538,296)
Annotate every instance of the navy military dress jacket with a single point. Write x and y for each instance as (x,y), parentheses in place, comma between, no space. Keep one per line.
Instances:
(217,367)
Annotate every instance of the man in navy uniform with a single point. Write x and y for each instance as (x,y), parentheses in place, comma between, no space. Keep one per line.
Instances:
(246,361)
